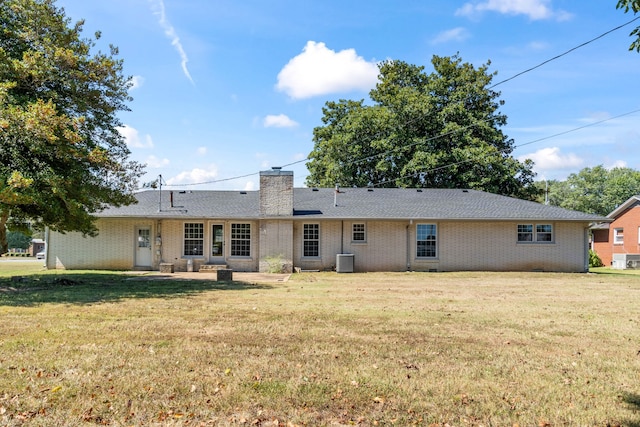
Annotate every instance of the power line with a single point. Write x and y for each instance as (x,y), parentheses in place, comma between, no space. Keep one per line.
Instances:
(564,53)
(458,130)
(443,166)
(514,147)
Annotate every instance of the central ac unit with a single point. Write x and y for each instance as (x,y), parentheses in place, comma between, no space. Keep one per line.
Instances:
(626,261)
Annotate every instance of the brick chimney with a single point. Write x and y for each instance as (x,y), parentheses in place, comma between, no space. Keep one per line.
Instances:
(276,193)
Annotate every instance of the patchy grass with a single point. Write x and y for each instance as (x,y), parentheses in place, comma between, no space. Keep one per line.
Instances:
(609,270)
(321,349)
(13,267)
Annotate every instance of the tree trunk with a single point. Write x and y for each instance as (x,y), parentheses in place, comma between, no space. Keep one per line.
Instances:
(4,217)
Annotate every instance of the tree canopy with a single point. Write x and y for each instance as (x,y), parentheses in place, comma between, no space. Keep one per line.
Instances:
(595,190)
(18,240)
(439,130)
(62,158)
(633,5)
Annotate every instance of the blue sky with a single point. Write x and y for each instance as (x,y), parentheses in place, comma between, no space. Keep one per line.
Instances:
(226,88)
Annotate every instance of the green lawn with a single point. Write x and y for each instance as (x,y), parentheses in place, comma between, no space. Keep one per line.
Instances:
(470,348)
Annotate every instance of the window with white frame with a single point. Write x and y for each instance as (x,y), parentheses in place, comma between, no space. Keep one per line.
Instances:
(311,240)
(359,233)
(542,233)
(426,240)
(241,240)
(618,236)
(193,239)
(525,233)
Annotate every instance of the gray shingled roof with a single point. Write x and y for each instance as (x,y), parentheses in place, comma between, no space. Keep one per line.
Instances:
(352,203)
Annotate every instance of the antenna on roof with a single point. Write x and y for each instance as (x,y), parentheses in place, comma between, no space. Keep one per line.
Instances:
(546,192)
(335,196)
(160,193)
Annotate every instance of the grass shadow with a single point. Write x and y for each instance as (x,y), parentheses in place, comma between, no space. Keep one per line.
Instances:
(633,403)
(94,288)
(608,271)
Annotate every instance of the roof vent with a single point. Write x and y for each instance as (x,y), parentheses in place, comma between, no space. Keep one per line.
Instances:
(370,189)
(419,190)
(243,192)
(276,168)
(465,191)
(315,189)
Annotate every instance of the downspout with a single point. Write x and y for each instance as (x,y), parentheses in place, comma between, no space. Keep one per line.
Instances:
(46,247)
(586,250)
(159,242)
(409,246)
(342,237)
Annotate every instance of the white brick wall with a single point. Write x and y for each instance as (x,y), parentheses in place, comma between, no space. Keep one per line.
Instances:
(389,246)
(461,246)
(112,249)
(276,241)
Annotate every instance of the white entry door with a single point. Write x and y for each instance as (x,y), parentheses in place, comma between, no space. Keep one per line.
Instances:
(143,247)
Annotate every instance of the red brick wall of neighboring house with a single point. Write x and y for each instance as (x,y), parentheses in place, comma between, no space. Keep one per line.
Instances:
(629,222)
(602,245)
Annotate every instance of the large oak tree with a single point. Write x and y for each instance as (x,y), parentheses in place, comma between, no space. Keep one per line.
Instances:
(439,130)
(62,158)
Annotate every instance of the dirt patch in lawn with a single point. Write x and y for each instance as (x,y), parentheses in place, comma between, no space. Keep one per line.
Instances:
(237,276)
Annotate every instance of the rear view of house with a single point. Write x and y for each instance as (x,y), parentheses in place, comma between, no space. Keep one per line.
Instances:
(351,229)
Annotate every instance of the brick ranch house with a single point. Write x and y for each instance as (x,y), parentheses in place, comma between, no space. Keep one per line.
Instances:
(380,229)
(617,242)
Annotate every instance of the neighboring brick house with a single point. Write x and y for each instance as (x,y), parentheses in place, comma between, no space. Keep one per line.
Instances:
(619,239)
(369,229)
(37,245)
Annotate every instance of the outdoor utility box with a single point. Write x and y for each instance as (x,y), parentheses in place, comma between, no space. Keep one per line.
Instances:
(166,267)
(224,275)
(626,261)
(344,263)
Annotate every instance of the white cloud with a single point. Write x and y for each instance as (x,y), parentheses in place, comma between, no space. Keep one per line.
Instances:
(457,34)
(249,186)
(201,151)
(156,163)
(159,10)
(133,139)
(550,158)
(320,71)
(537,46)
(136,82)
(534,9)
(595,116)
(279,121)
(617,164)
(195,176)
